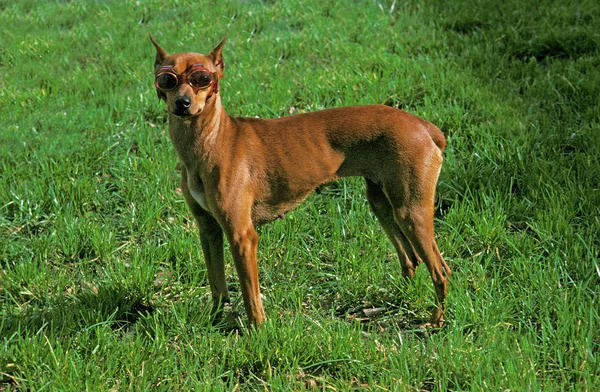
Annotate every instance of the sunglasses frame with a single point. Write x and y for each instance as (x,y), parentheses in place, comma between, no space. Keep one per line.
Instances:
(185,77)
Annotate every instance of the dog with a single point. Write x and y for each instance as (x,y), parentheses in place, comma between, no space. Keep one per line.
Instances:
(238,172)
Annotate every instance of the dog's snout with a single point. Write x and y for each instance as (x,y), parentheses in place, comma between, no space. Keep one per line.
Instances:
(183,103)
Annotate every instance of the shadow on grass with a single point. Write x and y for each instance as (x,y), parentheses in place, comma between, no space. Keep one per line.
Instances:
(113,305)
(387,314)
(567,45)
(390,320)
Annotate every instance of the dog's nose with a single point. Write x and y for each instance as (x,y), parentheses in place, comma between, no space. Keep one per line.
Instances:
(183,103)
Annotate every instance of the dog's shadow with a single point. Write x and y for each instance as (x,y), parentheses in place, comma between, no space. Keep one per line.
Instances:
(65,314)
(127,311)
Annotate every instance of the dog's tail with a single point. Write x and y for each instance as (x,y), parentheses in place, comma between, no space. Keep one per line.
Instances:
(437,136)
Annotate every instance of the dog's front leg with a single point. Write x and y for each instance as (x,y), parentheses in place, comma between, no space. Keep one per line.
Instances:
(244,244)
(211,239)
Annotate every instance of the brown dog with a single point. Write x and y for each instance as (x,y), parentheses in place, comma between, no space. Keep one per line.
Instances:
(241,172)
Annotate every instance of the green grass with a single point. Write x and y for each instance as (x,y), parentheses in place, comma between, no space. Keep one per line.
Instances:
(102,282)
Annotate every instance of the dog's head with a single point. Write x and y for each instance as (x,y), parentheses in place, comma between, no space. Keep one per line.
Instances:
(187,82)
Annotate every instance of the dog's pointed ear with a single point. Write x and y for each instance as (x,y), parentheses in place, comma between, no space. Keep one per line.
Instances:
(216,55)
(160,52)
(160,56)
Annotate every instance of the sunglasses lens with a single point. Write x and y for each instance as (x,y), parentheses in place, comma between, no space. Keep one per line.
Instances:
(200,79)
(166,81)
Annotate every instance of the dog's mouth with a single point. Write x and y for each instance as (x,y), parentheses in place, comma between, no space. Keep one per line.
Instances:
(182,114)
(185,113)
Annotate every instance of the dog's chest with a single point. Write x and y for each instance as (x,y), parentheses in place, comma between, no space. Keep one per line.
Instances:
(196,188)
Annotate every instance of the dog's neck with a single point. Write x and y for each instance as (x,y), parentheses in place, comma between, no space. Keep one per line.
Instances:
(200,131)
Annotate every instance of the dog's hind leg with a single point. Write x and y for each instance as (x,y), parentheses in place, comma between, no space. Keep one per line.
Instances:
(414,215)
(413,209)
(385,214)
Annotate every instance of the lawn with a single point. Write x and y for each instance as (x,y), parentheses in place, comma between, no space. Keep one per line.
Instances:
(102,281)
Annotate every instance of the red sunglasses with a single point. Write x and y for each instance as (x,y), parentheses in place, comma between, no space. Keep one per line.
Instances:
(199,78)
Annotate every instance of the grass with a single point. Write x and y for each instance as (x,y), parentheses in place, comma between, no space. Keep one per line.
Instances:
(102,282)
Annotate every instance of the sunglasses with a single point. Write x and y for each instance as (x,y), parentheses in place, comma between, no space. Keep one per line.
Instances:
(198,78)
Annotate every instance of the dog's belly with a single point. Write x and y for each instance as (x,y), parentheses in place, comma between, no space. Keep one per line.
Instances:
(264,212)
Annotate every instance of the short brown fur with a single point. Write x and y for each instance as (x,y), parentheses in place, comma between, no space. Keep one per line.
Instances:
(241,172)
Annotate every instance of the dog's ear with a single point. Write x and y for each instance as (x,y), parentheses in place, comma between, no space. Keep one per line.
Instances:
(160,56)
(216,55)
(160,53)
